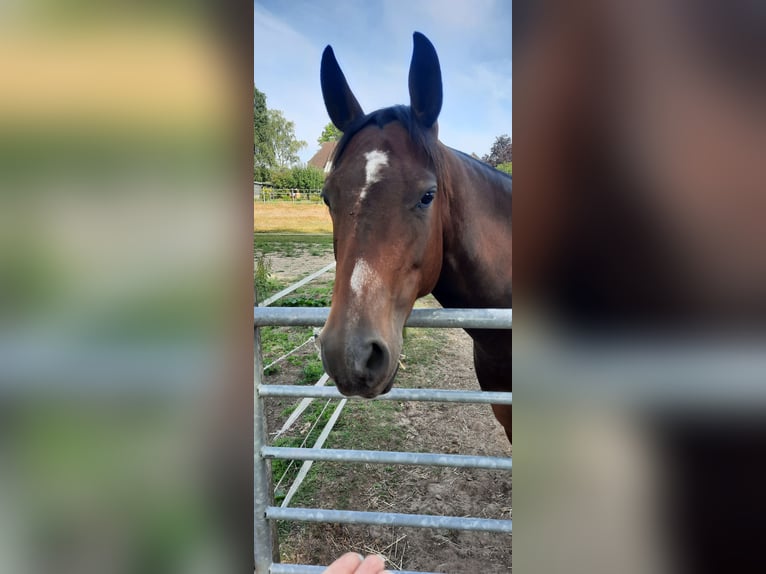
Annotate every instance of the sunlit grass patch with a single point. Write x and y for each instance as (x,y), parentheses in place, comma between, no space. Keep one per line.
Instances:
(289,217)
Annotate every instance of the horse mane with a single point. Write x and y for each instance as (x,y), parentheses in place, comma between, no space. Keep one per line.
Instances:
(482,165)
(425,139)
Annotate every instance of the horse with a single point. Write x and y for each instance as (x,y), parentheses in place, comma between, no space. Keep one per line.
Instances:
(410,217)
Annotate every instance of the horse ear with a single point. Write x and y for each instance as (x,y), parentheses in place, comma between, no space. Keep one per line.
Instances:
(340,102)
(425,81)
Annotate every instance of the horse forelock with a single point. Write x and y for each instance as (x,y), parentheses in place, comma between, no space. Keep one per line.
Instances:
(425,139)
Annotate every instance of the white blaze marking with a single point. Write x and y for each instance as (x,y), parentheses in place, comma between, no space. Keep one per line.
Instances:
(376,160)
(361,277)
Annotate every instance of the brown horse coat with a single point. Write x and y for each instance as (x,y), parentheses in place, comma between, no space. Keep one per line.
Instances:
(410,216)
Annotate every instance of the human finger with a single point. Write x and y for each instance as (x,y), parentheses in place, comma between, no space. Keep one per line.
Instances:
(373,564)
(346,564)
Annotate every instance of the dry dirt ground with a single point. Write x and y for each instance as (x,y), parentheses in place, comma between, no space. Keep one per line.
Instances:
(434,358)
(294,268)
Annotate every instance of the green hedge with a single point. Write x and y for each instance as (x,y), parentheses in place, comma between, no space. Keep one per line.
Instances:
(308,177)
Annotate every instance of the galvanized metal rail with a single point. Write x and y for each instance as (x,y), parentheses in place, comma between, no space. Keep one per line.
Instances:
(389,519)
(388,457)
(433,395)
(446,318)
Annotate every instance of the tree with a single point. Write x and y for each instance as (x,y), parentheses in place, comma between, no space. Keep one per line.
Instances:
(507,167)
(329,134)
(274,141)
(283,140)
(501,152)
(298,177)
(263,151)
(308,177)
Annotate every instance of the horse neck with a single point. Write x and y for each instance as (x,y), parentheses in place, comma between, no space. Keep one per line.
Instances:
(476,231)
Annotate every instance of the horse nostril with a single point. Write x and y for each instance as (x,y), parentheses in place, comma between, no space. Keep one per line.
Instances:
(377,357)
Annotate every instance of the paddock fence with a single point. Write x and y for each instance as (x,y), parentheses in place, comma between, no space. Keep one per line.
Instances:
(265,192)
(266,512)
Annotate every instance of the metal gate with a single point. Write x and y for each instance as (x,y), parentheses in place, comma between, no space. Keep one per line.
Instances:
(265,511)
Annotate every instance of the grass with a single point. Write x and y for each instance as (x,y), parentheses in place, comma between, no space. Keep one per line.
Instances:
(291,245)
(316,250)
(268,241)
(281,469)
(421,346)
(276,341)
(311,295)
(287,249)
(312,370)
(263,281)
(363,425)
(289,217)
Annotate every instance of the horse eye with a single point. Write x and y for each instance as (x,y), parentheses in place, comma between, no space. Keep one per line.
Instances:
(427,198)
(324,198)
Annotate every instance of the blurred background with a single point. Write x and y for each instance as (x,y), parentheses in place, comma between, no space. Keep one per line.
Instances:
(125,288)
(639,364)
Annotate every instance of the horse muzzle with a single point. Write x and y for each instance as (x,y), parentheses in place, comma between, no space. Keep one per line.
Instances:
(360,366)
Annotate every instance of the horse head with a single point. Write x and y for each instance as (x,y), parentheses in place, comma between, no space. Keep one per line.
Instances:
(387,206)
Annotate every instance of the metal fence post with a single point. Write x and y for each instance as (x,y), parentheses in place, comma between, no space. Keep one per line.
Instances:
(264,542)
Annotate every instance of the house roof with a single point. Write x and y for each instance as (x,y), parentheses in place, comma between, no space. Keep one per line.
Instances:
(324,154)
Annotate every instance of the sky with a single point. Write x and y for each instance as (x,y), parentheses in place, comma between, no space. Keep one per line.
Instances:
(372,41)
